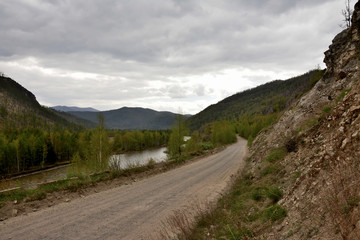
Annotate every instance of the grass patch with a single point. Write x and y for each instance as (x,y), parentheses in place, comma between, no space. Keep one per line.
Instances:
(16,195)
(270,170)
(327,109)
(312,122)
(351,203)
(296,175)
(274,193)
(275,213)
(276,154)
(36,195)
(243,211)
(342,95)
(257,194)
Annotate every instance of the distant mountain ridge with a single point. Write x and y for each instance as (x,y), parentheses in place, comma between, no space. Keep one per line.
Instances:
(19,108)
(131,118)
(74,109)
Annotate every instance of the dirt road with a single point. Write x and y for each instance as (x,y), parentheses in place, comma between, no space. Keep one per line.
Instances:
(131,211)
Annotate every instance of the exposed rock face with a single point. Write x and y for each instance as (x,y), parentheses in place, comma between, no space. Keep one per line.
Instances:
(342,62)
(323,203)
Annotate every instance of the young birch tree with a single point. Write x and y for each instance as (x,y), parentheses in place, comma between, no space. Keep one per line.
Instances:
(176,139)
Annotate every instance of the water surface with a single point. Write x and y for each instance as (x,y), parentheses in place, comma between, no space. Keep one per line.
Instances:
(124,161)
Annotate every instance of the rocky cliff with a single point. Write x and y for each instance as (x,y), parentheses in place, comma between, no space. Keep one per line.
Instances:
(320,175)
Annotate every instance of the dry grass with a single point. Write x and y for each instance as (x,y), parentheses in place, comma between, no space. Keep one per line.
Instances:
(344,197)
(181,224)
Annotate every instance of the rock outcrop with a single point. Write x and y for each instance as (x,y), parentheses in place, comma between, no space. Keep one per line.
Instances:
(323,199)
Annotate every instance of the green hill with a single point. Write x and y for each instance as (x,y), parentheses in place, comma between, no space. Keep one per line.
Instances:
(20,109)
(268,98)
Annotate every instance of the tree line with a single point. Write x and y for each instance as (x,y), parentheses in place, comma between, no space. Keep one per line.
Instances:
(27,149)
(207,137)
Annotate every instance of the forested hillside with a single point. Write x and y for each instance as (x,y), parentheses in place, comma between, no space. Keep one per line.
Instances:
(270,98)
(34,137)
(20,109)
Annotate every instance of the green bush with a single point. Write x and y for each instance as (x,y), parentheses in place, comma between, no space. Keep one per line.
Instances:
(274,193)
(151,163)
(257,194)
(275,212)
(206,145)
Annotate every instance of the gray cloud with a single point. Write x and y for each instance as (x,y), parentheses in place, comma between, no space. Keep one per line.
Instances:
(90,52)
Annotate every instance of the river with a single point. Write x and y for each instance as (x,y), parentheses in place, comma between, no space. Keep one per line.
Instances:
(125,160)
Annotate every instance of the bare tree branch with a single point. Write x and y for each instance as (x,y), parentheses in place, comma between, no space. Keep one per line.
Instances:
(347,14)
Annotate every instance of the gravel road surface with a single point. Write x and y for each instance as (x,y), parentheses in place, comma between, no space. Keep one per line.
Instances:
(133,211)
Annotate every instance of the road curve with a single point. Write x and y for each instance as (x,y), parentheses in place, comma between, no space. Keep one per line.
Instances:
(131,211)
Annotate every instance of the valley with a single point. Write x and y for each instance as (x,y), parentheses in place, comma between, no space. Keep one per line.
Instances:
(276,161)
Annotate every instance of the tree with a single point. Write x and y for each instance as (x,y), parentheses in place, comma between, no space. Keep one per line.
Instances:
(98,149)
(347,14)
(176,139)
(101,131)
(223,133)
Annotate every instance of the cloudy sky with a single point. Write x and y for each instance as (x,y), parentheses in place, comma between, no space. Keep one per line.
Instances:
(160,54)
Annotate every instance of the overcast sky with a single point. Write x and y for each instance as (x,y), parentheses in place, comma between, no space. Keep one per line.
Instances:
(160,54)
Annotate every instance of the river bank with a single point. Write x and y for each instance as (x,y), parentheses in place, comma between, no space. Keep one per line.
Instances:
(25,201)
(58,172)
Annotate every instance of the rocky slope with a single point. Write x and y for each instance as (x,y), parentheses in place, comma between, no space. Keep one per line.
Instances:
(320,175)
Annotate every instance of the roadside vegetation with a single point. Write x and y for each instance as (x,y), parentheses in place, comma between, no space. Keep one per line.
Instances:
(249,207)
(210,136)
